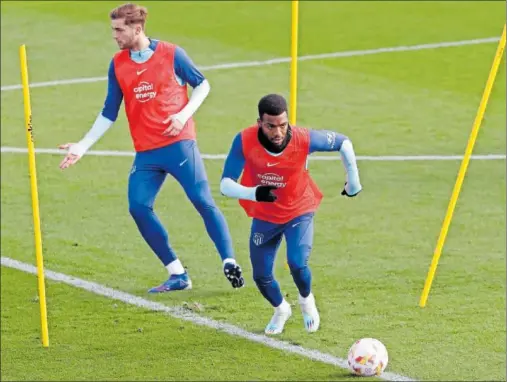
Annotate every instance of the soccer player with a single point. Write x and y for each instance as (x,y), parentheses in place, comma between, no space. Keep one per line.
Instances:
(277,191)
(153,77)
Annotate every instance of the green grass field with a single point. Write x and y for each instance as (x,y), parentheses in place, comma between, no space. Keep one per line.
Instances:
(371,253)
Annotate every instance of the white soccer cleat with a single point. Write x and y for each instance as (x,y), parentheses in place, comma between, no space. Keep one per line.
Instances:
(277,323)
(311,316)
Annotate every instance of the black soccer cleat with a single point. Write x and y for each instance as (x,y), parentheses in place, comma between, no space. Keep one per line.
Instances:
(233,273)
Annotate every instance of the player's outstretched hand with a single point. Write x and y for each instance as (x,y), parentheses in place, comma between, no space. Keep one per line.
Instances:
(265,194)
(73,155)
(351,190)
(174,128)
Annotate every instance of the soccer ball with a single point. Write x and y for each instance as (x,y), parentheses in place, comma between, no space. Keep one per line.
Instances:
(367,357)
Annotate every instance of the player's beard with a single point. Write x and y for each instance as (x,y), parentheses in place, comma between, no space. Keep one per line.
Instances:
(271,146)
(127,44)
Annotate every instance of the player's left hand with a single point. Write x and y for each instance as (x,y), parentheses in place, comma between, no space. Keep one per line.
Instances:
(351,190)
(174,128)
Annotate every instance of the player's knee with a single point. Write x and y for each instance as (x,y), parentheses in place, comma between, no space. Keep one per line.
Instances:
(263,280)
(202,205)
(300,260)
(298,272)
(139,210)
(201,197)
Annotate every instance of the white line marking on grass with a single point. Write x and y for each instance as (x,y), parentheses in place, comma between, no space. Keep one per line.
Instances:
(185,315)
(386,158)
(281,60)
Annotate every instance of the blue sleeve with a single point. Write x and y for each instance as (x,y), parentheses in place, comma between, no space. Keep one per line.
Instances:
(325,140)
(235,161)
(114,95)
(186,69)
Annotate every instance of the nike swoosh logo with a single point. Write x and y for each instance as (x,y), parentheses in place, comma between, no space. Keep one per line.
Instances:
(182,163)
(141,71)
(296,224)
(272,164)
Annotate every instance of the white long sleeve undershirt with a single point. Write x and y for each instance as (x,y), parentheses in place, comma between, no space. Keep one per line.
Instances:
(99,128)
(349,161)
(232,189)
(199,94)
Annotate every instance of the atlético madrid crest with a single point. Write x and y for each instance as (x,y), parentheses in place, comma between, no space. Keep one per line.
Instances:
(258,238)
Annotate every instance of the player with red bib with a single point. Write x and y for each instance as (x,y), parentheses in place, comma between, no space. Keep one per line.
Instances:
(277,191)
(152,77)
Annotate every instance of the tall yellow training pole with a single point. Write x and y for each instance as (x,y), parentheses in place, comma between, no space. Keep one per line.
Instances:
(35,196)
(463,169)
(294,63)
(293,66)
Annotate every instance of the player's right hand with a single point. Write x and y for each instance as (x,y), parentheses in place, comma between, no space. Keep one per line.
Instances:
(265,194)
(73,155)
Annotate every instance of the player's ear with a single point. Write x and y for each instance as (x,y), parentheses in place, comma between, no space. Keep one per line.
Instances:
(259,123)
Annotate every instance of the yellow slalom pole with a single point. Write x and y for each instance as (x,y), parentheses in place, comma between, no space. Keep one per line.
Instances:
(293,67)
(35,196)
(463,169)
(294,62)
